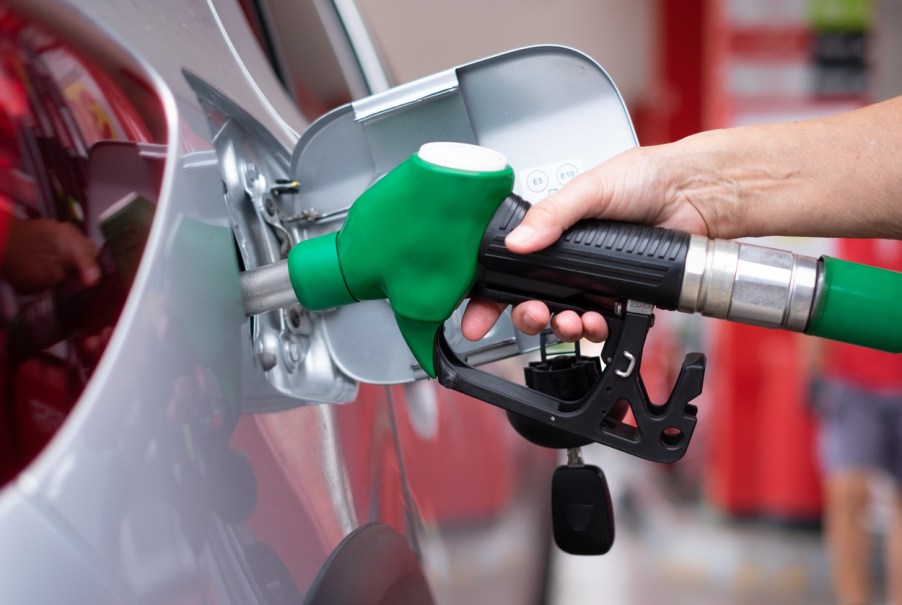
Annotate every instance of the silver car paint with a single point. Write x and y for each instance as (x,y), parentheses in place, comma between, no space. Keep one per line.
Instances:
(116,509)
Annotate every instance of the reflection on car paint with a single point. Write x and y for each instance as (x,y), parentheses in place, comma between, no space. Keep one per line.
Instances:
(55,113)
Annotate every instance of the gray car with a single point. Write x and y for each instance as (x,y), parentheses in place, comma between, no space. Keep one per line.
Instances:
(158,445)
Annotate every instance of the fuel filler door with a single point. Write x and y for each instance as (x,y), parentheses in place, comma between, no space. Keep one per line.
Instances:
(551,110)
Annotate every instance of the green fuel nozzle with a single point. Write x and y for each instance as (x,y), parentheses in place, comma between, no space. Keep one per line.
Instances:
(412,238)
(431,232)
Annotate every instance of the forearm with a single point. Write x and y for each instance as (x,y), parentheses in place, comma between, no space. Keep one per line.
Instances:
(837,176)
(833,177)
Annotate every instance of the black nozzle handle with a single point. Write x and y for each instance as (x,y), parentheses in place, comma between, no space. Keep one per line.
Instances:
(594,257)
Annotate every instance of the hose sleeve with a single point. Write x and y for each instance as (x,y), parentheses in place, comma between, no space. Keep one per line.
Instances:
(858,304)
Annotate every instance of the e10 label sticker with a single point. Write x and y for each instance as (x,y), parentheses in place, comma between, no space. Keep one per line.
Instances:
(539,182)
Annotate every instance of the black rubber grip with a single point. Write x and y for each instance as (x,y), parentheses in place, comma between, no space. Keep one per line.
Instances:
(594,257)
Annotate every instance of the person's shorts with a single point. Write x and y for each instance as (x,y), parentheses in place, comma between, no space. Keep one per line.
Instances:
(860,429)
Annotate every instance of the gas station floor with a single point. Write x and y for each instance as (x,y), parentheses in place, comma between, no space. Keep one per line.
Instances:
(671,549)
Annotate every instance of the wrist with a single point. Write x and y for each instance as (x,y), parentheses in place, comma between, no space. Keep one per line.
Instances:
(750,180)
(835,176)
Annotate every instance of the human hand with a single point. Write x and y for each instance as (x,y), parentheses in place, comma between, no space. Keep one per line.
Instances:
(41,252)
(642,185)
(827,177)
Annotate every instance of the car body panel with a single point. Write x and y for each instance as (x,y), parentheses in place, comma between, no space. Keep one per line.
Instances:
(182,474)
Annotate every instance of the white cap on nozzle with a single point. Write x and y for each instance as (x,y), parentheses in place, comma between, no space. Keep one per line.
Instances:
(463,156)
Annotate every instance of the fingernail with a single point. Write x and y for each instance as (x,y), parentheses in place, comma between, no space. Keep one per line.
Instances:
(521,235)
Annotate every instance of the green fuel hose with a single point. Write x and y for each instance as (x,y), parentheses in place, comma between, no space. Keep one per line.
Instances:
(858,304)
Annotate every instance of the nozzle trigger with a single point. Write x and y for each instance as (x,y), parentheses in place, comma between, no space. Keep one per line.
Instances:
(662,432)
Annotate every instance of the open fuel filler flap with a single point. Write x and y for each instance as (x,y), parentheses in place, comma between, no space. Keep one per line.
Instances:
(552,111)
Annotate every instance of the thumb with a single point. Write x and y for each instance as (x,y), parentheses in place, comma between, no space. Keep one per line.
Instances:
(545,221)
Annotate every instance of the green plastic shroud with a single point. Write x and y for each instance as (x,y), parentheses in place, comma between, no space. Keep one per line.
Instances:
(858,304)
(413,238)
